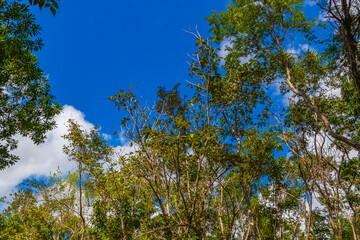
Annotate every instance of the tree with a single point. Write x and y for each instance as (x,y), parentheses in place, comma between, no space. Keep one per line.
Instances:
(205,158)
(44,210)
(344,19)
(222,164)
(322,128)
(51,4)
(264,30)
(121,206)
(27,106)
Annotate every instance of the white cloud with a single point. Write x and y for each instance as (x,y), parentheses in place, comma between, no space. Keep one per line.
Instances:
(282,99)
(310,2)
(107,137)
(224,46)
(125,149)
(286,98)
(40,160)
(323,16)
(301,48)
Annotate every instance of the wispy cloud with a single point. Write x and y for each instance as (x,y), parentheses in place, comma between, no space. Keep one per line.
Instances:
(310,2)
(225,46)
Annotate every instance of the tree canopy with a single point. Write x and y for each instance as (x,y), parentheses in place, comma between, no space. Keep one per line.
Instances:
(226,162)
(27,105)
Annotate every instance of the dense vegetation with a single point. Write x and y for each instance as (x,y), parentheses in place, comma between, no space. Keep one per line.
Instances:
(228,162)
(27,107)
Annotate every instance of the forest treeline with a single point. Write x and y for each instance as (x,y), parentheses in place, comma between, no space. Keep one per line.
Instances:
(236,159)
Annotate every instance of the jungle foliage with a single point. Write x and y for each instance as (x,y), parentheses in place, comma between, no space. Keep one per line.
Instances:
(226,162)
(27,107)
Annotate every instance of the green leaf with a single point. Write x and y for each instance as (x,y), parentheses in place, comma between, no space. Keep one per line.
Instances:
(53,10)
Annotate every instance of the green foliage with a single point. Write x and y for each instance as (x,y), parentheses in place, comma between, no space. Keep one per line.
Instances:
(51,4)
(220,164)
(27,106)
(42,210)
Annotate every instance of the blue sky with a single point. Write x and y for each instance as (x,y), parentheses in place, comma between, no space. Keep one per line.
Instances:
(94,48)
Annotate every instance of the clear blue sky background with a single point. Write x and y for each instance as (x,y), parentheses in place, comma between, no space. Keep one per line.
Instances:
(94,48)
